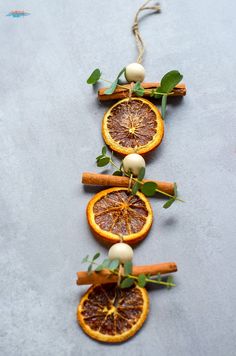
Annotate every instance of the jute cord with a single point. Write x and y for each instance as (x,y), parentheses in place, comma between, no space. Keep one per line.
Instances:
(135,28)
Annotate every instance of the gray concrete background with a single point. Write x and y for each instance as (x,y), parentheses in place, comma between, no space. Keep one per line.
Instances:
(50,133)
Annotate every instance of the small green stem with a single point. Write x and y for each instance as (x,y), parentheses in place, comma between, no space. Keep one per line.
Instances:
(152,281)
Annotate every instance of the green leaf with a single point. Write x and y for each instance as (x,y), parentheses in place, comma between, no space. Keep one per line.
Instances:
(90,268)
(170,280)
(158,277)
(117,173)
(112,88)
(85,259)
(94,77)
(141,173)
(149,188)
(175,190)
(127,282)
(163,106)
(103,161)
(135,188)
(170,80)
(138,89)
(99,157)
(142,280)
(114,264)
(104,150)
(96,256)
(168,203)
(99,268)
(128,267)
(106,263)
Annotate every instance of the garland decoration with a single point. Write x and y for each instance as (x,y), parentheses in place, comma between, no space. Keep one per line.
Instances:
(116,305)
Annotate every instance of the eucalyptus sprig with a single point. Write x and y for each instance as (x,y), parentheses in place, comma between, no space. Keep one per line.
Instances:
(127,279)
(96,75)
(147,188)
(168,82)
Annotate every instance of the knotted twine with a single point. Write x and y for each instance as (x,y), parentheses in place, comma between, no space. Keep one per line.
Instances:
(135,28)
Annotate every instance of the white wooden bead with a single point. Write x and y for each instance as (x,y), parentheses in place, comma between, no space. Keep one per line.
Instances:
(134,72)
(133,162)
(122,251)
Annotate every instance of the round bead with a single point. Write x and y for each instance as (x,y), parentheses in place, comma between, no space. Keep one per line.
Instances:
(134,72)
(121,251)
(133,162)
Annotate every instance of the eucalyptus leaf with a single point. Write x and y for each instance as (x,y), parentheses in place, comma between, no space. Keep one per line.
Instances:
(117,173)
(149,188)
(114,264)
(127,282)
(142,280)
(163,106)
(170,80)
(85,259)
(128,267)
(104,150)
(99,157)
(96,256)
(106,263)
(170,280)
(175,190)
(141,173)
(94,77)
(168,203)
(112,88)
(135,187)
(99,268)
(138,89)
(103,161)
(90,268)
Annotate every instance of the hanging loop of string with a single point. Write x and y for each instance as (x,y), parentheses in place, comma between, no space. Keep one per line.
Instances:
(135,28)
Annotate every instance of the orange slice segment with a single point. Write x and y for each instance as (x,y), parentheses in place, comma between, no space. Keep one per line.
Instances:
(109,314)
(133,125)
(114,212)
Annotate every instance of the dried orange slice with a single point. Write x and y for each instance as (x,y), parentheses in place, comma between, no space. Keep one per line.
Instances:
(115,212)
(133,125)
(110,314)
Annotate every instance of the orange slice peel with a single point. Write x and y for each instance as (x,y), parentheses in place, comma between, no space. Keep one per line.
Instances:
(109,314)
(114,214)
(133,125)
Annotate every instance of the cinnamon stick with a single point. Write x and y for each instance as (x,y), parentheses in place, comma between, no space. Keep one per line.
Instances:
(122,92)
(106,276)
(117,181)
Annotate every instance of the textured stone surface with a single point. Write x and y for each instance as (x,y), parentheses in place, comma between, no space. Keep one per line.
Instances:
(50,133)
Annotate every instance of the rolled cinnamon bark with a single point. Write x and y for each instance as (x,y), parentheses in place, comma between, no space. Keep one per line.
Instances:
(121,93)
(117,181)
(106,276)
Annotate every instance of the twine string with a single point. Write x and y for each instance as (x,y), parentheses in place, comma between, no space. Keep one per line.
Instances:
(135,28)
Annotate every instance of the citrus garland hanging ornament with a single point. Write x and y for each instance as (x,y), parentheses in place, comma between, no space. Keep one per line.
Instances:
(116,305)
